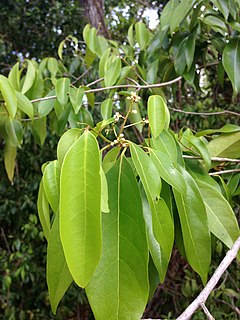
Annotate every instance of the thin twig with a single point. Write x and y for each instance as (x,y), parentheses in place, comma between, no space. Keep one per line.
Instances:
(82,75)
(94,82)
(223,172)
(206,311)
(214,159)
(206,113)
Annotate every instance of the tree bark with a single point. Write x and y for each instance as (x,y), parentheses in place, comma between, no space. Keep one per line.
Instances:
(94,14)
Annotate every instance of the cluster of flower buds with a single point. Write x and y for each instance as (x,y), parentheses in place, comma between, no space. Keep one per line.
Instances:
(134,97)
(117,116)
(120,141)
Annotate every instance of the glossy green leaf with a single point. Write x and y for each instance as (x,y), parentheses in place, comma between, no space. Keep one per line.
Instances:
(39,130)
(104,192)
(157,114)
(25,104)
(190,48)
(231,62)
(221,218)
(113,72)
(106,109)
(223,6)
(52,65)
(110,159)
(62,89)
(76,97)
(65,143)
(130,36)
(103,63)
(157,254)
(29,78)
(168,170)
(14,132)
(60,48)
(43,210)
(143,35)
(179,13)
(9,154)
(51,184)
(9,96)
(135,116)
(201,148)
(37,90)
(194,225)
(80,208)
(46,106)
(14,76)
(121,278)
(216,23)
(225,145)
(167,13)
(102,46)
(87,118)
(180,61)
(227,128)
(58,275)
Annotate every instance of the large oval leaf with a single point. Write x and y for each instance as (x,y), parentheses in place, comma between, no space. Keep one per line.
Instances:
(9,96)
(166,143)
(121,278)
(10,153)
(231,62)
(51,184)
(194,225)
(29,78)
(25,104)
(43,210)
(76,97)
(112,73)
(143,35)
(62,89)
(58,275)
(80,208)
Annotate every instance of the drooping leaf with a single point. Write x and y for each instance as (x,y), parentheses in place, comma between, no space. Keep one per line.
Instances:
(179,13)
(121,278)
(51,184)
(46,106)
(231,62)
(43,210)
(194,225)
(58,275)
(201,148)
(76,97)
(106,109)
(10,153)
(25,104)
(39,130)
(14,76)
(52,65)
(227,128)
(29,78)
(143,35)
(157,114)
(221,218)
(80,208)
(113,72)
(65,142)
(14,132)
(167,13)
(190,48)
(9,96)
(130,36)
(62,89)
(110,159)
(180,61)
(216,23)
(104,192)
(226,145)
(168,170)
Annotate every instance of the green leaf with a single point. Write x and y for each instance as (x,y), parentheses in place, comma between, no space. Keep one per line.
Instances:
(130,36)
(14,132)
(110,159)
(29,78)
(194,225)
(157,254)
(10,153)
(216,23)
(58,275)
(51,184)
(9,96)
(76,97)
(201,148)
(80,208)
(168,170)
(221,218)
(103,63)
(106,109)
(167,13)
(143,35)
(65,143)
(121,278)
(223,6)
(102,46)
(113,72)
(43,210)
(231,62)
(225,145)
(179,13)
(157,114)
(86,117)
(180,61)
(190,48)
(52,65)
(135,116)
(62,89)
(60,49)
(25,104)
(39,130)
(14,76)
(227,128)
(46,106)
(104,192)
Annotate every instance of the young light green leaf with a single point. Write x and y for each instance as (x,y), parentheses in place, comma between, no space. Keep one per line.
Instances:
(121,277)
(60,49)
(103,63)
(9,96)
(104,192)
(86,117)
(168,170)
(46,106)
(43,210)
(14,132)
(231,62)
(143,35)
(76,97)
(52,66)
(10,153)
(29,78)
(106,109)
(110,159)
(51,184)
(157,114)
(14,76)
(226,145)
(62,89)
(58,275)
(135,116)
(25,104)
(112,73)
(80,208)
(221,218)
(65,143)
(194,225)
(130,36)
(227,128)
